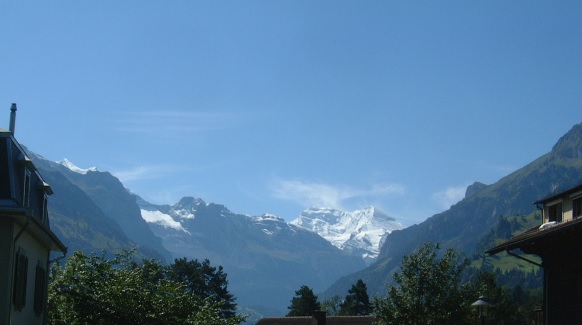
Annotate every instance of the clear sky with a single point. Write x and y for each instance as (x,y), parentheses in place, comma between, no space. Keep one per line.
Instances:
(276,106)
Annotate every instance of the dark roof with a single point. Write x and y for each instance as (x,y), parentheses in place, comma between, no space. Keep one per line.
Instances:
(530,237)
(285,320)
(559,195)
(330,320)
(23,216)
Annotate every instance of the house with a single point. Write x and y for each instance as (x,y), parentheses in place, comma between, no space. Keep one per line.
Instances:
(26,239)
(319,318)
(558,242)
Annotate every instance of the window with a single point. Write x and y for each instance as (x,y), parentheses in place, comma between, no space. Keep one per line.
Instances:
(5,192)
(26,192)
(577,207)
(555,212)
(44,210)
(20,278)
(39,289)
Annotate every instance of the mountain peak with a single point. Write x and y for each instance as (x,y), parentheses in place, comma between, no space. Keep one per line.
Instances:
(360,232)
(189,202)
(475,188)
(67,163)
(570,144)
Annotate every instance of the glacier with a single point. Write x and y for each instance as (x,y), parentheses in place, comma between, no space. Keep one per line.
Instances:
(360,232)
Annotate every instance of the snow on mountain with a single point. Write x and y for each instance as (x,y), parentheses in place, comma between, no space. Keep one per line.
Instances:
(175,217)
(76,169)
(162,219)
(359,232)
(266,258)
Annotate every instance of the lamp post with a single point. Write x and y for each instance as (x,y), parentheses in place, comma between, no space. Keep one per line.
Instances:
(482,305)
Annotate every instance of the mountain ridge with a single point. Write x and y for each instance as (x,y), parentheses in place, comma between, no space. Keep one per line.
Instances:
(461,226)
(266,258)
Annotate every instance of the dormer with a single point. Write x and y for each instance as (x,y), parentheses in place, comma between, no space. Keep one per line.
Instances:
(562,207)
(21,186)
(26,240)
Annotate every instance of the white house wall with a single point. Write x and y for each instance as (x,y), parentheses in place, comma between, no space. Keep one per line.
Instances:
(37,254)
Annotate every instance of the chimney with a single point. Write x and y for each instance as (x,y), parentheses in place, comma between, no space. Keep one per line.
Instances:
(12,118)
(319,317)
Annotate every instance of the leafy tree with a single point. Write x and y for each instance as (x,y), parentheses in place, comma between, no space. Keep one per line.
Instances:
(332,305)
(428,290)
(203,280)
(513,306)
(96,290)
(357,301)
(304,303)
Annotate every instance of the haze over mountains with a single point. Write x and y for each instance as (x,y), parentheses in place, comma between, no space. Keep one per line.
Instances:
(266,258)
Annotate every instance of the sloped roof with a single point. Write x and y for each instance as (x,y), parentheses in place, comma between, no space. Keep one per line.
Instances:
(531,237)
(330,320)
(559,195)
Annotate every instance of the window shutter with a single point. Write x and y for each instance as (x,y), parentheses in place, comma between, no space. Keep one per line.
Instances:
(20,278)
(39,289)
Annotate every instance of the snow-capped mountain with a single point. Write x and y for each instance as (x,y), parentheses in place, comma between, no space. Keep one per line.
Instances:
(266,258)
(360,232)
(67,163)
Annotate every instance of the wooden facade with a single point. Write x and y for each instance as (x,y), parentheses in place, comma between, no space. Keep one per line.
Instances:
(558,242)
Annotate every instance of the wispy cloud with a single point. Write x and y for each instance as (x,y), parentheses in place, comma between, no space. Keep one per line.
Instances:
(144,172)
(168,123)
(327,195)
(449,196)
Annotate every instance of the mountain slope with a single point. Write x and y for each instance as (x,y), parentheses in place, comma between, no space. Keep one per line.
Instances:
(464,223)
(266,259)
(93,212)
(359,233)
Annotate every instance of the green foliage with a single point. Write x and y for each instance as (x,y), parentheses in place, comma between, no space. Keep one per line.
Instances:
(513,305)
(428,290)
(332,306)
(357,302)
(435,288)
(304,303)
(203,280)
(96,290)
(509,270)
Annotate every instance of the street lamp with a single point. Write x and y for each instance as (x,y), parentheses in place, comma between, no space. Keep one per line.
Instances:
(482,305)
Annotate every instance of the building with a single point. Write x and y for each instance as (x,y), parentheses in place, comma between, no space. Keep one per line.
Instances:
(319,318)
(26,239)
(558,242)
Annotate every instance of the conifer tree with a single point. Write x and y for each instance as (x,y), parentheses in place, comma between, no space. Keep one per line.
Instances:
(357,302)
(304,303)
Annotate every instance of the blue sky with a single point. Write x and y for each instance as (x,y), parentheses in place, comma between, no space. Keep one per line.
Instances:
(276,106)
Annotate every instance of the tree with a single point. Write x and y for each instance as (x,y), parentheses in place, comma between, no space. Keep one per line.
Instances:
(357,302)
(96,290)
(304,303)
(205,281)
(332,306)
(513,306)
(428,291)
